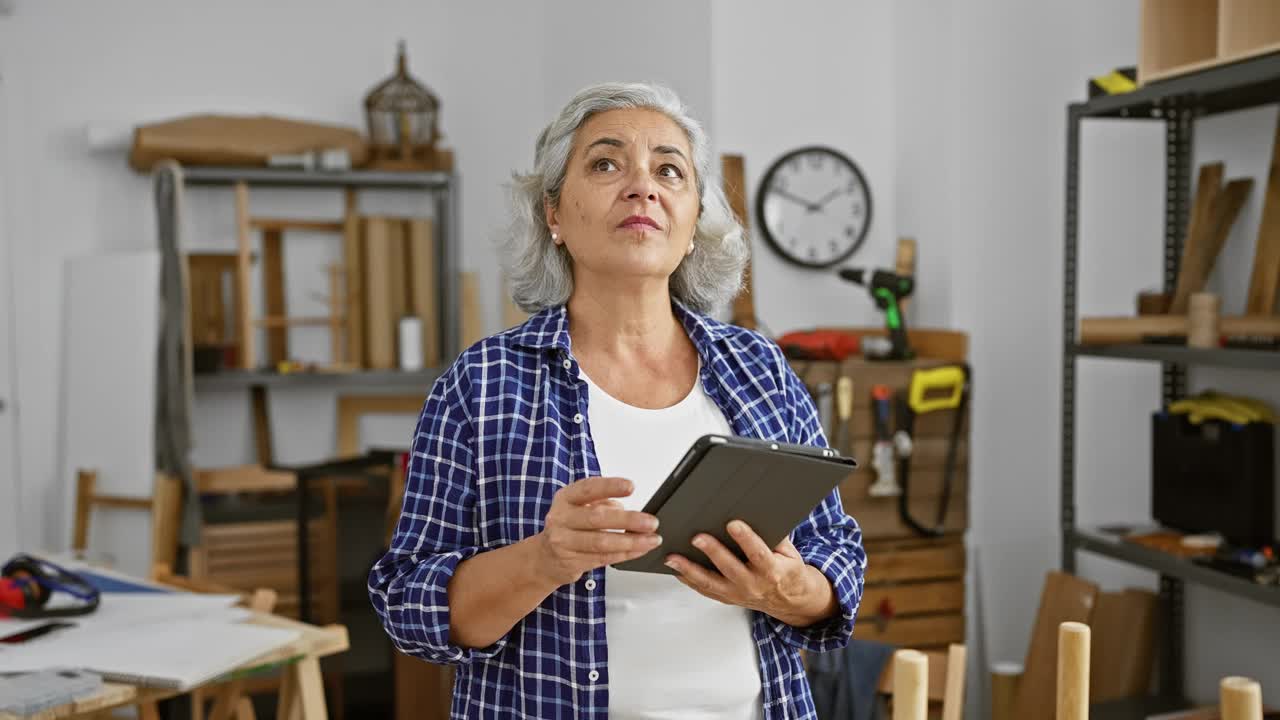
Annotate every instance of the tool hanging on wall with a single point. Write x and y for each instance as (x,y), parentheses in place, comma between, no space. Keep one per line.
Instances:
(923,397)
(888,289)
(844,411)
(886,484)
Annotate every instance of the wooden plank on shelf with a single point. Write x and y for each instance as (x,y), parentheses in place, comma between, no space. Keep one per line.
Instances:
(352,407)
(245,333)
(424,291)
(279,225)
(1264,280)
(1246,26)
(261,425)
(379,325)
(398,279)
(1208,187)
(471,328)
(352,262)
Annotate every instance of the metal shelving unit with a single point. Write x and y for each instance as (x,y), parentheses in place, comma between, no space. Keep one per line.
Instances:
(1176,102)
(441,189)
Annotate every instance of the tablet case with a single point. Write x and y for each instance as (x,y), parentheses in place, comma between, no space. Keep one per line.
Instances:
(770,486)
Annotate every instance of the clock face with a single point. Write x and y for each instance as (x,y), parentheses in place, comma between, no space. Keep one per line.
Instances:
(814,207)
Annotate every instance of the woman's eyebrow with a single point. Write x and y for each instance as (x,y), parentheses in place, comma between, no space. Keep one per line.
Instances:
(611,142)
(670,150)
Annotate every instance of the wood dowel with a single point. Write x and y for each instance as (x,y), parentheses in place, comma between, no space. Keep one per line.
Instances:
(953,697)
(1240,698)
(1073,671)
(910,685)
(1118,330)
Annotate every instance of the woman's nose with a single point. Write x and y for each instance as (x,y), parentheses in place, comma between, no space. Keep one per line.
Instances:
(640,185)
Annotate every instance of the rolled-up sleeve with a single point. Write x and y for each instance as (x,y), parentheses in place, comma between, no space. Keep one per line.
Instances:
(829,539)
(409,585)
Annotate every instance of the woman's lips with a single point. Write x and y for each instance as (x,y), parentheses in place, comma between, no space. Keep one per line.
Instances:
(639,222)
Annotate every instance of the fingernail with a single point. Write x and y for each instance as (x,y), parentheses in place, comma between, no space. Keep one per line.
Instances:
(653,524)
(672,564)
(655,540)
(699,541)
(736,526)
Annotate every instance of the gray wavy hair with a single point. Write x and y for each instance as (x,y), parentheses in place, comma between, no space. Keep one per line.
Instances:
(540,272)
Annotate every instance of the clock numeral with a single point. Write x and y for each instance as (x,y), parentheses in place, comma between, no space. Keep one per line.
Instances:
(779,183)
(857,209)
(833,245)
(795,242)
(853,185)
(850,231)
(813,254)
(794,164)
(816,161)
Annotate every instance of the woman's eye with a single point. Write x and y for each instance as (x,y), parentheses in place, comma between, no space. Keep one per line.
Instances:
(670,171)
(604,164)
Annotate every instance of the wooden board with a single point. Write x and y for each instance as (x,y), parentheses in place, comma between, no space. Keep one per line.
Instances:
(1198,260)
(938,560)
(398,278)
(914,598)
(424,294)
(352,262)
(1265,278)
(273,295)
(1065,598)
(245,333)
(733,177)
(1208,186)
(424,691)
(379,326)
(879,519)
(471,328)
(918,631)
(1123,648)
(352,407)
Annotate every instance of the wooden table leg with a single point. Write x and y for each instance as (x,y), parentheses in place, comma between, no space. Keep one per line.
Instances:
(310,689)
(226,700)
(287,704)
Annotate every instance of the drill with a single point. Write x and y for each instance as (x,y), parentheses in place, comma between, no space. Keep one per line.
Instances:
(888,289)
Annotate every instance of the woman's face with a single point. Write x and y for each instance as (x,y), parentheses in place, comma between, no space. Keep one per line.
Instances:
(630,202)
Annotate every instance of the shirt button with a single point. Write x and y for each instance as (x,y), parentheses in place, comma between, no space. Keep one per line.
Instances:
(577,418)
(567,364)
(593,676)
(591,585)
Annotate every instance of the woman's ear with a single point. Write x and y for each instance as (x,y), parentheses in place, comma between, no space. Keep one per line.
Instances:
(550,215)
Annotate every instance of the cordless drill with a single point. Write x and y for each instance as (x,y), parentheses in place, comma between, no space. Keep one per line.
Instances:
(888,289)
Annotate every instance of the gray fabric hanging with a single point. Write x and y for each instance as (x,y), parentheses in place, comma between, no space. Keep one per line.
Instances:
(174,384)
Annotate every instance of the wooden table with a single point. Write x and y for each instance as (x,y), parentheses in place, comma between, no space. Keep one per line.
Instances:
(301,692)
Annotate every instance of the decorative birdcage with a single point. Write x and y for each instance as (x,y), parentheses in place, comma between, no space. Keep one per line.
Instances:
(403,118)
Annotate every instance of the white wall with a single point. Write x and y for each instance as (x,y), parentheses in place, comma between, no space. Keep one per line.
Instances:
(70,64)
(10,509)
(786,75)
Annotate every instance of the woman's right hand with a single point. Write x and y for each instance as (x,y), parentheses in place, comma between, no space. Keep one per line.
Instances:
(577,537)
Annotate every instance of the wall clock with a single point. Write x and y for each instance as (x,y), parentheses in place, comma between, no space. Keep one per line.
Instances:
(814,206)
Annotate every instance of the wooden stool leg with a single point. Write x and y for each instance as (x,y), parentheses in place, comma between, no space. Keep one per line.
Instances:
(1240,698)
(148,711)
(1073,671)
(244,710)
(910,685)
(953,699)
(288,707)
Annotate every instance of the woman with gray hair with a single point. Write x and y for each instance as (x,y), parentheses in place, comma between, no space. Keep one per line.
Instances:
(538,448)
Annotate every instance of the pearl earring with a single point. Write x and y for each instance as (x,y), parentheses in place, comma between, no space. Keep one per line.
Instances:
(690,252)
(555,237)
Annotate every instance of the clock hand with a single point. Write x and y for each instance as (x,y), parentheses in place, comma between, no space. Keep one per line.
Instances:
(808,205)
(828,198)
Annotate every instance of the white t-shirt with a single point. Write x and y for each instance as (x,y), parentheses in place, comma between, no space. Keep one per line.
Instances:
(672,652)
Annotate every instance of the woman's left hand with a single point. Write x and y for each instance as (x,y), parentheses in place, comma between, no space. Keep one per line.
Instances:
(776,581)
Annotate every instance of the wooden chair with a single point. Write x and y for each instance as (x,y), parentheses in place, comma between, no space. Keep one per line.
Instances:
(165,506)
(914,679)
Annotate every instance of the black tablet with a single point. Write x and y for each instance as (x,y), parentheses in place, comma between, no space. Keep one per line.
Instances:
(771,486)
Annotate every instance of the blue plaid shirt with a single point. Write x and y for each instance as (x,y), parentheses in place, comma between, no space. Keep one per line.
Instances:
(507,426)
